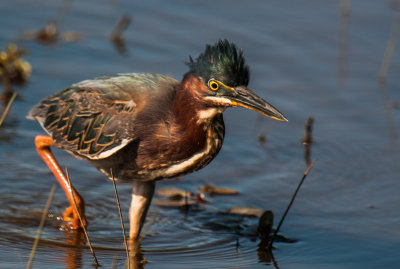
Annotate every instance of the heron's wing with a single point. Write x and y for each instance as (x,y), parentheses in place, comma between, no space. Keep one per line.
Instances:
(96,118)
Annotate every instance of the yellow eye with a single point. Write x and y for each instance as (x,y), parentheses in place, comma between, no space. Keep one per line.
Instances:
(214,86)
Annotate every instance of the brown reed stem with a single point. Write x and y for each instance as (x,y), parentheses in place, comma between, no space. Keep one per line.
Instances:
(80,219)
(290,204)
(8,107)
(389,48)
(39,231)
(120,217)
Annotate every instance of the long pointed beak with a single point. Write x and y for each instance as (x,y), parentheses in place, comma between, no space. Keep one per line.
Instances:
(244,97)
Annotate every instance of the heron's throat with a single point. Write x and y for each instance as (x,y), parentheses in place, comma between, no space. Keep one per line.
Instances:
(207,114)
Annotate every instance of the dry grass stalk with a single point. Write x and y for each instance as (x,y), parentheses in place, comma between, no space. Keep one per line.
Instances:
(290,204)
(80,219)
(389,48)
(120,217)
(39,231)
(8,107)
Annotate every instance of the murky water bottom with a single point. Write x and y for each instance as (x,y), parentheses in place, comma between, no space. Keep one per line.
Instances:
(307,58)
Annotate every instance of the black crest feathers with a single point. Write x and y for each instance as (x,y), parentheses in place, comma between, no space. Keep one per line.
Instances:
(222,61)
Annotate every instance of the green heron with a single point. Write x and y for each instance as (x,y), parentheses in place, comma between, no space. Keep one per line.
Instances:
(145,127)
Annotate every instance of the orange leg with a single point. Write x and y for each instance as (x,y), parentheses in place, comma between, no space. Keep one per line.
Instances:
(43,144)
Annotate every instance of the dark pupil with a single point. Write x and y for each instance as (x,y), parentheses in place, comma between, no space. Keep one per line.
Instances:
(214,85)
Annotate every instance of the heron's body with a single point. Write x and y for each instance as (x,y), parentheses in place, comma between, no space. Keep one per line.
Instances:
(145,127)
(134,125)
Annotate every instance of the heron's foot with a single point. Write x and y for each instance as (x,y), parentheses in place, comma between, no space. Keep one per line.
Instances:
(71,216)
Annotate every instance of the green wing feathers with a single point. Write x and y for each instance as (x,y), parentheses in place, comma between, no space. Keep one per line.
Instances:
(95,118)
(83,123)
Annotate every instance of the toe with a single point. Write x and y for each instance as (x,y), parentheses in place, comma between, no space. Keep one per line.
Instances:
(71,216)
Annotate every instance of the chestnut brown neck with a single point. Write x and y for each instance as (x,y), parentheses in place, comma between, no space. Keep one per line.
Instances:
(187,104)
(188,100)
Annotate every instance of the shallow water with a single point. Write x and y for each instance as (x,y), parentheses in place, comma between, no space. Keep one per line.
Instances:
(306,57)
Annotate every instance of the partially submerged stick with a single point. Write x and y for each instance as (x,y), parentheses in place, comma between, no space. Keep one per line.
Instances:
(120,217)
(80,219)
(117,38)
(39,231)
(8,107)
(290,204)
(307,139)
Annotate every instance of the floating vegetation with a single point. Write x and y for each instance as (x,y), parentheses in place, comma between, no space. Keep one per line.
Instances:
(248,211)
(13,70)
(174,203)
(50,34)
(213,190)
(174,193)
(177,198)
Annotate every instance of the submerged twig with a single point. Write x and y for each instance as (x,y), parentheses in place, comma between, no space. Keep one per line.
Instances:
(39,231)
(290,204)
(80,219)
(120,217)
(7,109)
(343,39)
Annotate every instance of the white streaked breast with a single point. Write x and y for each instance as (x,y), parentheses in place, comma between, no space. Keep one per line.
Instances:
(180,167)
